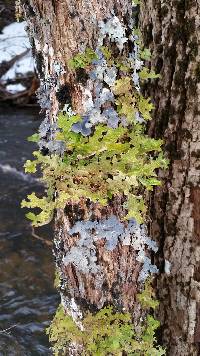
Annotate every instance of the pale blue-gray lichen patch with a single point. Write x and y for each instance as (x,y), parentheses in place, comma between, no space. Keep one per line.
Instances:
(115,31)
(113,231)
(111,99)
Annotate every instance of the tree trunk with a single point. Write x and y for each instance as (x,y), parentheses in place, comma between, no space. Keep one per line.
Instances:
(101,276)
(171,30)
(98,276)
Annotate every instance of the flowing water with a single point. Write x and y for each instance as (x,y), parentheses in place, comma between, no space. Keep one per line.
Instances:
(27,296)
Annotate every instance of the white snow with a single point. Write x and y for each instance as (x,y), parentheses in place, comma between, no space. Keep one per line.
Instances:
(15,88)
(21,67)
(14,41)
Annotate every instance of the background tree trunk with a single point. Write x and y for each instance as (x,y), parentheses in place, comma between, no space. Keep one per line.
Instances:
(171,30)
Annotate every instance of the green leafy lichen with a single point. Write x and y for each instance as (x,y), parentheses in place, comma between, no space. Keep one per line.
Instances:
(147,298)
(108,332)
(146,73)
(34,138)
(108,163)
(57,279)
(111,161)
(82,60)
(135,2)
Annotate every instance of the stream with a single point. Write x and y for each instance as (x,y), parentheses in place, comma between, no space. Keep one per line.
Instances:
(28,299)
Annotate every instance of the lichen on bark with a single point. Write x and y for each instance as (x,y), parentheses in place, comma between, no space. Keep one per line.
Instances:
(60,30)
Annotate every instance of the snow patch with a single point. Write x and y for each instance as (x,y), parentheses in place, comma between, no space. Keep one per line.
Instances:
(15,88)
(14,41)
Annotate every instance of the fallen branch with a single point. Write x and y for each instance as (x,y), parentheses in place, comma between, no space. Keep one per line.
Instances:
(5,95)
(6,65)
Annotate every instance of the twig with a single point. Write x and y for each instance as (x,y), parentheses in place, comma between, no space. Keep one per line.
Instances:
(11,37)
(6,330)
(48,243)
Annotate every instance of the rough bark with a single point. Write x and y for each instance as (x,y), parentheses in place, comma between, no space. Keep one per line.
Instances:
(58,30)
(116,281)
(171,29)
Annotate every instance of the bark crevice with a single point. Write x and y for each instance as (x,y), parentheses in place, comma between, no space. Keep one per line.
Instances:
(177,121)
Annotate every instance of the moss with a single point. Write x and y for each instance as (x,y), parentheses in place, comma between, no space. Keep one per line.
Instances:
(82,60)
(93,146)
(57,279)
